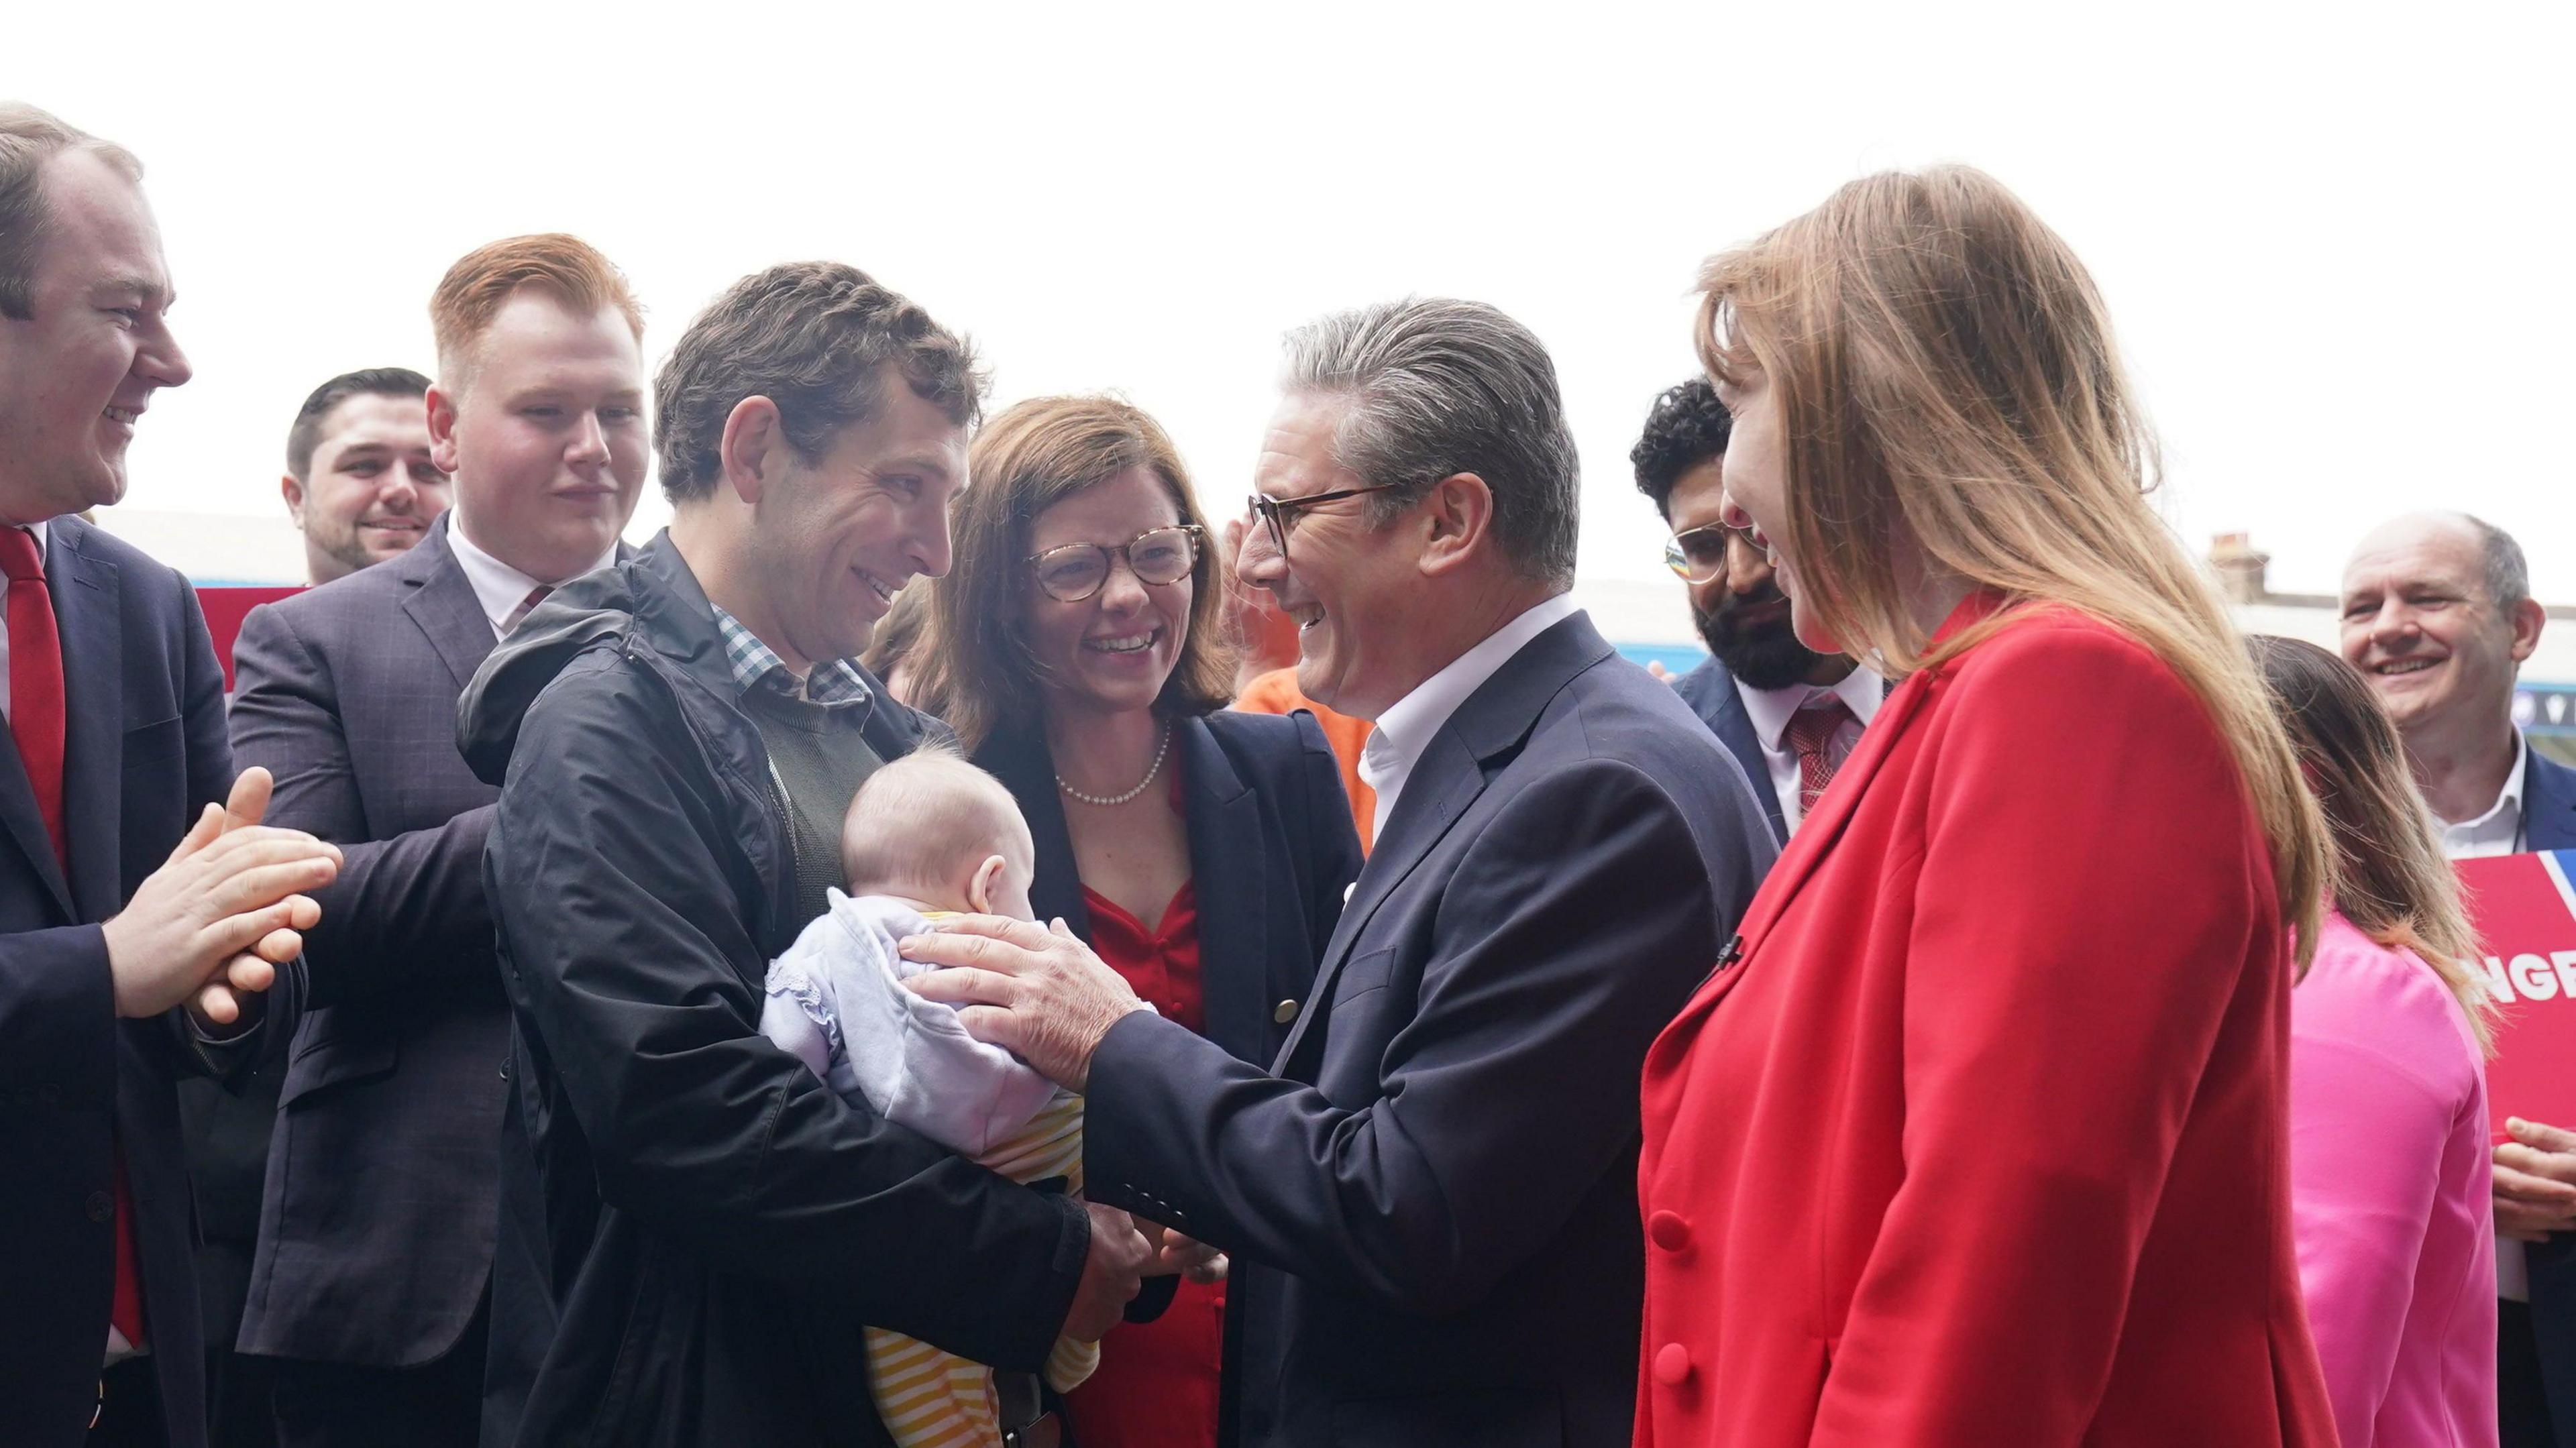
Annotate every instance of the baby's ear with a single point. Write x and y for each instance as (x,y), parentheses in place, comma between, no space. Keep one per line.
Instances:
(984,886)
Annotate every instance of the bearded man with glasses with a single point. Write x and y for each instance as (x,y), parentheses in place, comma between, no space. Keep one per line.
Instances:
(1788,714)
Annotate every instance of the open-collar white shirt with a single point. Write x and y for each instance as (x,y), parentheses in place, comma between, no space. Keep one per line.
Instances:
(1406,727)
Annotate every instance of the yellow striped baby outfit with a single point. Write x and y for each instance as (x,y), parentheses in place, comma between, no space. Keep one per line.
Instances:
(935,1399)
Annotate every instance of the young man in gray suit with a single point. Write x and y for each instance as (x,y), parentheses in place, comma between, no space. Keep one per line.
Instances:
(377,1225)
(1429,1198)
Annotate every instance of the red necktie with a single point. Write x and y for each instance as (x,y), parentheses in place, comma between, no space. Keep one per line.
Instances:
(36,724)
(1811,737)
(527,605)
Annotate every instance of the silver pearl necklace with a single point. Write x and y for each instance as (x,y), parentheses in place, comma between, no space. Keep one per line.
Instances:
(1159,751)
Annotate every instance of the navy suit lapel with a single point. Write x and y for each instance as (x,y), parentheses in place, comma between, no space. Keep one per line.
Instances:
(1021,763)
(86,597)
(1446,780)
(443,604)
(1710,691)
(2549,803)
(1225,869)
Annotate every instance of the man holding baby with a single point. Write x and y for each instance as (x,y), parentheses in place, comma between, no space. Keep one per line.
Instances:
(678,739)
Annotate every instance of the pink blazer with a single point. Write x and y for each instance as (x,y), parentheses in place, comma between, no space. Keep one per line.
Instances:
(2389,1191)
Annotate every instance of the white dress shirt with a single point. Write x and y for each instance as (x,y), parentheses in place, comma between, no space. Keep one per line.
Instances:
(1863,690)
(497,586)
(1407,726)
(2498,832)
(37,529)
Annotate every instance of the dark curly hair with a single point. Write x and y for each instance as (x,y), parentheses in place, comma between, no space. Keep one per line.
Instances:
(1687,427)
(809,336)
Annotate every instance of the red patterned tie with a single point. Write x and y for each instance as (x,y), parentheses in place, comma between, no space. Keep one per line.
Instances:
(1811,737)
(527,605)
(36,724)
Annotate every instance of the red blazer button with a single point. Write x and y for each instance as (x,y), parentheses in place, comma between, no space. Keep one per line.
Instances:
(1669,1230)
(1672,1365)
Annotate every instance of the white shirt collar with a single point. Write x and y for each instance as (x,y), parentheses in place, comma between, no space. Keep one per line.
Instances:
(1861,690)
(2497,831)
(1406,726)
(39,531)
(498,587)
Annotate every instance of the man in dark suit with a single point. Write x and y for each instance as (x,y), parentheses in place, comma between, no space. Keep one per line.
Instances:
(2438,616)
(122,892)
(378,1223)
(1429,1198)
(361,487)
(1788,714)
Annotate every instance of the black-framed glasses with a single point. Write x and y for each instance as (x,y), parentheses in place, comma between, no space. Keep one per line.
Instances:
(1156,556)
(1698,555)
(1281,513)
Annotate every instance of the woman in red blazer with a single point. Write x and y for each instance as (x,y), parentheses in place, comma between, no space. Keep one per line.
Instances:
(1979,1137)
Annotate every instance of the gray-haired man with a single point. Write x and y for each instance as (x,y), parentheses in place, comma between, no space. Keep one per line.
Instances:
(1429,1198)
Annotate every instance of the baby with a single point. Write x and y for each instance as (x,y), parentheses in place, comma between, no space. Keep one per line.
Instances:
(929,835)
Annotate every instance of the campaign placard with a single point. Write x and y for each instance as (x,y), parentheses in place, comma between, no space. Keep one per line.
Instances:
(2525,913)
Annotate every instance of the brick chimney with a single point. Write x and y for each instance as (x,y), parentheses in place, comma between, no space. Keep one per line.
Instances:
(2239,566)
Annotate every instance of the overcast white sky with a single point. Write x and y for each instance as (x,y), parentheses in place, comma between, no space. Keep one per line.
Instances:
(2334,242)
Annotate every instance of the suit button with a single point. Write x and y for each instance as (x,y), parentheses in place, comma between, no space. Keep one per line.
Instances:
(1284,1012)
(100,1206)
(1672,1365)
(1669,1231)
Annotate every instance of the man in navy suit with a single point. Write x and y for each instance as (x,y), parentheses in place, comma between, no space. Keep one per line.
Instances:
(378,1224)
(1429,1198)
(123,895)
(2438,615)
(1788,714)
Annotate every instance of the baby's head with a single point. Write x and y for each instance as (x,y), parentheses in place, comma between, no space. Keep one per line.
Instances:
(932,828)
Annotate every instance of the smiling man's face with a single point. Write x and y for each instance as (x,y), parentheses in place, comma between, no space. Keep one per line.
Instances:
(77,373)
(545,435)
(371,490)
(2420,625)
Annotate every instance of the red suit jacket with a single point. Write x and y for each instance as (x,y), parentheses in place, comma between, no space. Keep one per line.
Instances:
(1982,1139)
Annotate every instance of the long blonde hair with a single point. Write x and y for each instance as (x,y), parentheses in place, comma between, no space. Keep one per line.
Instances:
(2390,878)
(1947,379)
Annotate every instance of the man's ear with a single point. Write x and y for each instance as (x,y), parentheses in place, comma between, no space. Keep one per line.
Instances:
(752,448)
(1459,513)
(442,428)
(982,887)
(2528,617)
(294,492)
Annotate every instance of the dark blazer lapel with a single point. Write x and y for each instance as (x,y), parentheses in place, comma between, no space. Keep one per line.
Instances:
(1226,857)
(2548,803)
(1723,708)
(1447,779)
(443,604)
(86,606)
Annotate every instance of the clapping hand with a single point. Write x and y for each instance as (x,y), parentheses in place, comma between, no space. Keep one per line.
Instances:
(221,914)
(2535,1181)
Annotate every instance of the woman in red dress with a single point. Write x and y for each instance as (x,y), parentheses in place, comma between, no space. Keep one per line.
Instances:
(1075,646)
(1978,1136)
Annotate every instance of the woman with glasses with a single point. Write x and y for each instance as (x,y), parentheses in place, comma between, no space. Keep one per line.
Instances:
(1076,647)
(1977,1134)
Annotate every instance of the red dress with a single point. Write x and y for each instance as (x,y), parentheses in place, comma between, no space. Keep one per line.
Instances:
(1157,1382)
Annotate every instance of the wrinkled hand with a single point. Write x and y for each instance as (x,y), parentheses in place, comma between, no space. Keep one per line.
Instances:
(1175,1253)
(220,913)
(1037,993)
(1112,1272)
(2535,1181)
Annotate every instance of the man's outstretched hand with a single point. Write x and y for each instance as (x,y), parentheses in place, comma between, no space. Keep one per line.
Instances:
(215,921)
(1037,993)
